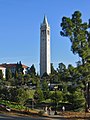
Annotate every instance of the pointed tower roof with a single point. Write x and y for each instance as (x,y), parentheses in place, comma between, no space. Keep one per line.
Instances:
(45,20)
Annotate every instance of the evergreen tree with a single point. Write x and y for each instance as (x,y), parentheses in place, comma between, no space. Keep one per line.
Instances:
(32,71)
(1,74)
(77,99)
(77,32)
(45,89)
(53,71)
(16,74)
(19,68)
(57,96)
(38,95)
(8,74)
(61,68)
(21,95)
(45,75)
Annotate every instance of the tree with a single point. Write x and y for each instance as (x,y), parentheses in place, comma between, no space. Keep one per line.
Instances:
(77,32)
(65,91)
(77,99)
(32,70)
(16,74)
(63,72)
(57,96)
(26,78)
(45,75)
(20,79)
(5,93)
(19,68)
(13,96)
(22,95)
(45,89)
(1,74)
(61,68)
(8,74)
(70,69)
(53,71)
(38,95)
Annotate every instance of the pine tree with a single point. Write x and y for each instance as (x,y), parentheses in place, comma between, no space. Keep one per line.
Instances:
(1,74)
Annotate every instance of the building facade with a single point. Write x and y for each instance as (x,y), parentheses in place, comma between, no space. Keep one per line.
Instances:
(45,48)
(12,67)
(3,69)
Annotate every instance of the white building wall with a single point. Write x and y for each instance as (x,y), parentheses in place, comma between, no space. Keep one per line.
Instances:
(24,71)
(3,71)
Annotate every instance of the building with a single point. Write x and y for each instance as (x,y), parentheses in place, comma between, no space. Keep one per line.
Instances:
(3,69)
(45,48)
(13,67)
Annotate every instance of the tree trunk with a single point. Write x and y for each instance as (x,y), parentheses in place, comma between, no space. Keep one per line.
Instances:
(88,95)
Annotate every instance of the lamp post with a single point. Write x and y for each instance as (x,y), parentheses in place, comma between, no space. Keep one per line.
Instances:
(55,100)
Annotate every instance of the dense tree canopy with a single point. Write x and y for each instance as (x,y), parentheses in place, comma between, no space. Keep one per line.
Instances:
(32,70)
(1,74)
(70,81)
(77,31)
(8,74)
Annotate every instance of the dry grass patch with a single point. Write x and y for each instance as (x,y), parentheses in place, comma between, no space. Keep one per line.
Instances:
(70,115)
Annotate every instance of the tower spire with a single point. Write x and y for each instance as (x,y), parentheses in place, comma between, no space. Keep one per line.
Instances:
(45,20)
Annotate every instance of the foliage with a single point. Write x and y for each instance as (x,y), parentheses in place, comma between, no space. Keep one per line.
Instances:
(12,105)
(32,70)
(16,74)
(45,89)
(8,74)
(71,80)
(77,99)
(20,79)
(57,96)
(1,74)
(79,35)
(19,68)
(53,71)
(61,68)
(45,75)
(77,32)
(38,95)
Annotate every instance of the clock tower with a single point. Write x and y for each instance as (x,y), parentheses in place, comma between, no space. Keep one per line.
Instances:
(45,66)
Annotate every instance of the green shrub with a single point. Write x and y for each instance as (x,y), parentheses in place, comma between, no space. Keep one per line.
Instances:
(40,113)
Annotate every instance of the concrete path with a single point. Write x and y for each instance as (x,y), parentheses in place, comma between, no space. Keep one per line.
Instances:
(55,117)
(9,117)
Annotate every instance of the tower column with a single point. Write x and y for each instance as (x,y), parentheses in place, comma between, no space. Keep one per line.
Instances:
(45,48)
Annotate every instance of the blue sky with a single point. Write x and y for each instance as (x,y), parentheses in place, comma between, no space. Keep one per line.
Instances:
(20,29)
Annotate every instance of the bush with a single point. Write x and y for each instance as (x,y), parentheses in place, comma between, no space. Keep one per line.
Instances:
(40,113)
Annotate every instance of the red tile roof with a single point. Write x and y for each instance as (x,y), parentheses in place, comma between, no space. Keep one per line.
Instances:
(1,66)
(24,66)
(12,65)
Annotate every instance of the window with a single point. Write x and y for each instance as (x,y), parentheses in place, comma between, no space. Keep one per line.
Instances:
(48,32)
(43,32)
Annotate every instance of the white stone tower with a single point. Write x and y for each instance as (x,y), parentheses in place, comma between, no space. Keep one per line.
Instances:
(45,66)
